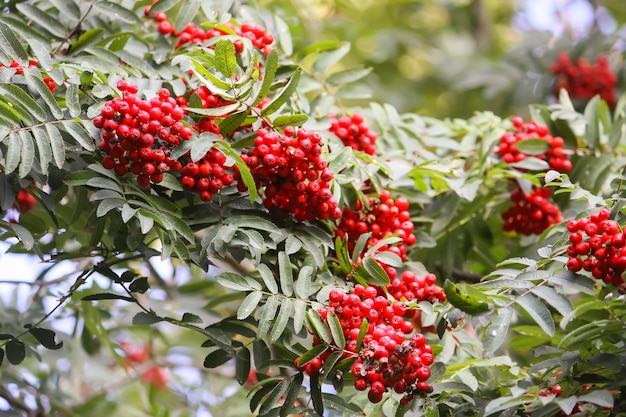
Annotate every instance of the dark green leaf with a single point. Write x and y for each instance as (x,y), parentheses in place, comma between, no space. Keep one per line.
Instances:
(362,332)
(269,72)
(602,398)
(277,393)
(336,329)
(217,358)
(191,318)
(87,39)
(107,296)
(466,298)
(242,365)
(139,285)
(16,351)
(244,171)
(290,120)
(292,395)
(142,318)
(1,356)
(23,235)
(376,275)
(532,146)
(261,352)
(232,122)
(187,13)
(316,395)
(46,338)
(319,326)
(284,95)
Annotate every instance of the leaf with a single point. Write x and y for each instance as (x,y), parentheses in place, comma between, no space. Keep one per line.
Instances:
(232,122)
(142,318)
(27,153)
(1,356)
(553,298)
(336,330)
(286,310)
(43,148)
(35,83)
(268,278)
(203,144)
(315,352)
(249,304)
(225,58)
(260,352)
(284,95)
(329,58)
(297,119)
(538,311)
(10,45)
(347,76)
(139,285)
(116,12)
(299,315)
(23,235)
(238,282)
(303,284)
(57,145)
(43,19)
(41,53)
(376,273)
(268,315)
(163,5)
(107,296)
(284,35)
(72,100)
(319,326)
(277,393)
(574,282)
(532,146)
(79,134)
(216,358)
(16,351)
(269,73)
(187,13)
(286,274)
(316,395)
(602,398)
(87,39)
(496,332)
(362,332)
(466,298)
(292,395)
(244,171)
(46,338)
(242,365)
(19,96)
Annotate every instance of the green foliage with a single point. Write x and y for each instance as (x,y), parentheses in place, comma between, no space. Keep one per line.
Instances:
(231,294)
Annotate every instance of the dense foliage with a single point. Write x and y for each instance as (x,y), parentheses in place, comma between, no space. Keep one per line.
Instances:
(221,226)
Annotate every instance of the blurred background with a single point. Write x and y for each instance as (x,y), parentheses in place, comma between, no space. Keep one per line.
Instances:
(449,58)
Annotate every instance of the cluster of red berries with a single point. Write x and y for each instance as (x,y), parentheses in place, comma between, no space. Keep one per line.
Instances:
(24,201)
(138,135)
(19,69)
(137,356)
(387,359)
(353,132)
(531,213)
(555,155)
(208,175)
(584,80)
(596,245)
(193,34)
(382,217)
(291,173)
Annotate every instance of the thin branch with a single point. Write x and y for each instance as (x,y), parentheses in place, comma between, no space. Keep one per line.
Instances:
(75,29)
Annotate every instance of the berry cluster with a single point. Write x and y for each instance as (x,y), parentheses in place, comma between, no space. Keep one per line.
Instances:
(382,217)
(192,34)
(555,155)
(24,201)
(353,132)
(292,174)
(531,213)
(583,80)
(137,356)
(19,69)
(596,245)
(412,287)
(138,135)
(387,359)
(208,175)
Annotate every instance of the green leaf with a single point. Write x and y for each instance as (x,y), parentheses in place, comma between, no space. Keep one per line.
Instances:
(16,351)
(107,296)
(303,284)
(242,365)
(319,326)
(362,332)
(260,352)
(538,311)
(57,145)
(269,73)
(268,278)
(116,12)
(376,275)
(315,352)
(292,395)
(602,398)
(35,83)
(532,146)
(558,301)
(217,358)
(347,76)
(336,330)
(286,311)
(286,274)
(191,318)
(268,315)
(23,235)
(19,96)
(297,119)
(466,298)
(249,304)
(163,5)
(72,100)
(329,58)
(284,95)
(46,338)
(41,53)
(87,39)
(1,356)
(238,282)
(27,153)
(10,45)
(203,144)
(232,122)
(43,148)
(79,133)
(277,393)
(14,148)
(497,331)
(316,395)
(104,183)
(43,19)
(246,176)
(139,285)
(284,35)
(146,319)
(225,58)
(187,13)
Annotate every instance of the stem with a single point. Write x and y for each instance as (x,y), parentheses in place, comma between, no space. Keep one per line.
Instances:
(75,29)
